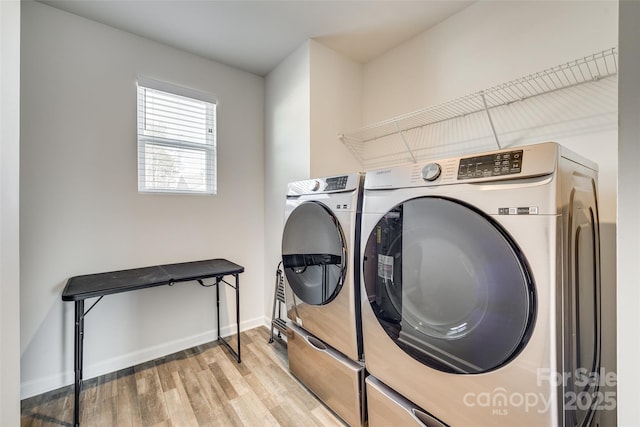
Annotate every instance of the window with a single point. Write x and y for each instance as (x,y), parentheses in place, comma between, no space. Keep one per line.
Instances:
(176,139)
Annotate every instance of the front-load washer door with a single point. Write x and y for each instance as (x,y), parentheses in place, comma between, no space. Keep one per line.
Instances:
(448,285)
(313,253)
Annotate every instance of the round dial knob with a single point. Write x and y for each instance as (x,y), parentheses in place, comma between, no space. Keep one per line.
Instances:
(316,185)
(431,172)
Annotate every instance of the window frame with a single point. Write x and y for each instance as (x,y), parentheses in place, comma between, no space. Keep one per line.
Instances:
(148,138)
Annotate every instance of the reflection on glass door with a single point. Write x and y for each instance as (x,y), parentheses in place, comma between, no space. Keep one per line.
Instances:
(449,286)
(313,253)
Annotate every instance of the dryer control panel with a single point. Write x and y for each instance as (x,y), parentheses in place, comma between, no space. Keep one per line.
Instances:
(501,165)
(497,164)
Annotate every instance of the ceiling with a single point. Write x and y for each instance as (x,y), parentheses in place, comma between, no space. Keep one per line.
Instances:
(256,35)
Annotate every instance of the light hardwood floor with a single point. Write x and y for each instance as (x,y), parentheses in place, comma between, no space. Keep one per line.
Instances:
(201,386)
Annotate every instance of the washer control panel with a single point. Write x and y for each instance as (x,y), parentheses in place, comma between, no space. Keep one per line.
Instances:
(328,185)
(488,165)
(336,183)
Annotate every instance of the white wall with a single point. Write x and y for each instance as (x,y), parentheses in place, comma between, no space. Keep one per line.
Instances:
(9,213)
(81,213)
(488,43)
(336,105)
(287,149)
(313,95)
(494,42)
(628,208)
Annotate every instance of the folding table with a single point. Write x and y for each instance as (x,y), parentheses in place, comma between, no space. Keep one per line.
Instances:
(79,288)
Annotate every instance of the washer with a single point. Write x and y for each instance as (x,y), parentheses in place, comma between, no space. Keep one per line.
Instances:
(481,287)
(320,258)
(322,220)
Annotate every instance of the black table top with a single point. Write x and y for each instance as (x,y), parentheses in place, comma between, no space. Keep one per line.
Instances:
(95,285)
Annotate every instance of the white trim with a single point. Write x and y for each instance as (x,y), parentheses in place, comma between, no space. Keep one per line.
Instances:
(176,89)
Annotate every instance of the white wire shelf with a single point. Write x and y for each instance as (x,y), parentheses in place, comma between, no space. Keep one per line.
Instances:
(432,131)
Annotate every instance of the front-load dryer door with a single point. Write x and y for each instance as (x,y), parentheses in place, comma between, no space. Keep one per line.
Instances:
(313,253)
(448,285)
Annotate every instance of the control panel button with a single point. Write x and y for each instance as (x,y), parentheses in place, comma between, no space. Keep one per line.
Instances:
(431,172)
(490,165)
(316,185)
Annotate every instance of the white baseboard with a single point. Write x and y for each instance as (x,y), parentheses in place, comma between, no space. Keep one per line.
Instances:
(92,370)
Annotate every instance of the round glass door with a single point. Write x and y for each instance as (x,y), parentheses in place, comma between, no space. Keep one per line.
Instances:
(449,285)
(313,253)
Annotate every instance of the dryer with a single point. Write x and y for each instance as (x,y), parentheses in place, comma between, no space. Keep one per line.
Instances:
(481,287)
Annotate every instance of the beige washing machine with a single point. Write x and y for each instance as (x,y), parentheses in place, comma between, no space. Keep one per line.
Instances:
(481,288)
(320,258)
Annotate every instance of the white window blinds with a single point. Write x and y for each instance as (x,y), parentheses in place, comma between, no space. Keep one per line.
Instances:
(176,140)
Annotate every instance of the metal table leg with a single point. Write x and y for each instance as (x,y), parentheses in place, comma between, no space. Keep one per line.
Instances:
(218,279)
(77,361)
(235,353)
(237,276)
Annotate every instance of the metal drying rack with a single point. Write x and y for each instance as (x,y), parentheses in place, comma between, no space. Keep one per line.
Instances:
(388,141)
(278,323)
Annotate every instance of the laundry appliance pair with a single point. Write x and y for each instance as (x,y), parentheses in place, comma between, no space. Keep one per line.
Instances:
(477,282)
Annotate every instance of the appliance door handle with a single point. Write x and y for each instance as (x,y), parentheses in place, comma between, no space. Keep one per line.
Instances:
(315,343)
(425,419)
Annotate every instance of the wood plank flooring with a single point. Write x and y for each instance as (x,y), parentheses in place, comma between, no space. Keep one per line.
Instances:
(201,386)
